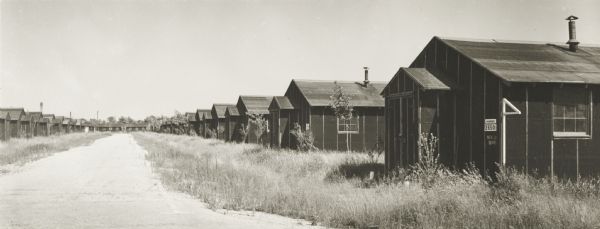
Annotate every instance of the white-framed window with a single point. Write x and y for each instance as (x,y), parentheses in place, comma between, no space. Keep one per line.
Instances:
(348,125)
(571,112)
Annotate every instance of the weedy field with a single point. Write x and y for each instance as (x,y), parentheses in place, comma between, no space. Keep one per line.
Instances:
(334,189)
(19,151)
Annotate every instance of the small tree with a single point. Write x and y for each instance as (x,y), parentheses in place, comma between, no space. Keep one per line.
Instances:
(221,132)
(340,103)
(260,125)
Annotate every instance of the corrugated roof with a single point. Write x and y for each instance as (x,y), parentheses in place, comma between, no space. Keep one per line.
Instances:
(58,119)
(28,117)
(232,111)
(15,113)
(515,61)
(37,116)
(3,114)
(256,104)
(191,116)
(207,116)
(317,92)
(201,112)
(220,108)
(281,103)
(427,80)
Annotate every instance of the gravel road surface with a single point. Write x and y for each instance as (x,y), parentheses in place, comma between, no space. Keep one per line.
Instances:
(109,184)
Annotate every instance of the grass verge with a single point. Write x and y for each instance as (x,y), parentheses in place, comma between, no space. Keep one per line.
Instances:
(331,189)
(19,151)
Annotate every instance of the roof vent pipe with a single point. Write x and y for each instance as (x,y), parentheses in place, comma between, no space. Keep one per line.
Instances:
(572,35)
(366,76)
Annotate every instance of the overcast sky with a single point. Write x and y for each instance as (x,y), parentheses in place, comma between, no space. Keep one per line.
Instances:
(137,58)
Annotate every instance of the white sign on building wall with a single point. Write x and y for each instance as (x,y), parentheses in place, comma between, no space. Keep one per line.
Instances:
(490,125)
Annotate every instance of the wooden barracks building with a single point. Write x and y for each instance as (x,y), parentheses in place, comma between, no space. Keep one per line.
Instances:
(258,105)
(306,103)
(218,118)
(522,104)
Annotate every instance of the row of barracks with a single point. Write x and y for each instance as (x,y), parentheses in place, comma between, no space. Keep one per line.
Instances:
(528,105)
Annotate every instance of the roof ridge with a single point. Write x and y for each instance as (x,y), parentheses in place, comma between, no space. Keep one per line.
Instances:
(492,40)
(341,81)
(257,96)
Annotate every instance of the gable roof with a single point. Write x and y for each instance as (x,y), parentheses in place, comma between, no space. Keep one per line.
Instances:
(58,119)
(15,113)
(317,92)
(50,116)
(28,117)
(37,116)
(427,80)
(219,109)
(516,61)
(232,111)
(207,116)
(200,114)
(191,116)
(4,115)
(281,103)
(255,104)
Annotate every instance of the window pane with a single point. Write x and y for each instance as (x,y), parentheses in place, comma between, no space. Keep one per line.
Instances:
(581,125)
(569,125)
(559,111)
(581,111)
(559,125)
(569,111)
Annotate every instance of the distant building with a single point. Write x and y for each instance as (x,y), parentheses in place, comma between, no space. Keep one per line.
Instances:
(308,105)
(16,115)
(232,124)
(218,119)
(257,105)
(207,123)
(193,123)
(40,124)
(27,123)
(57,127)
(202,123)
(282,113)
(4,125)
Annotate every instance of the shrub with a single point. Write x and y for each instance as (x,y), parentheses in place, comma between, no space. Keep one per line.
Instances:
(242,133)
(211,133)
(428,170)
(304,139)
(507,186)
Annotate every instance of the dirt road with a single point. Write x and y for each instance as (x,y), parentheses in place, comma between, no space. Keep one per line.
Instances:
(108,185)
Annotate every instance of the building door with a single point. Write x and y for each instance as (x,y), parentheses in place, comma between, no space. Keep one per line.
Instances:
(396,135)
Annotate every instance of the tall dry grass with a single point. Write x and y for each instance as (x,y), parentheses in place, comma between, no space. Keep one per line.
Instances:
(331,188)
(18,151)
